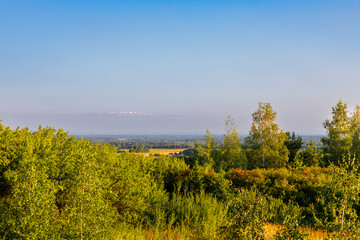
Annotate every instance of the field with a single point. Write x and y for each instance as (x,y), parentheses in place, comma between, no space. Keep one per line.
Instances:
(165,151)
(162,151)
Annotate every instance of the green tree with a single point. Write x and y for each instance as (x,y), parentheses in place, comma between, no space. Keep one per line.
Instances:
(355,126)
(53,186)
(203,155)
(346,192)
(29,183)
(338,142)
(86,211)
(266,140)
(293,144)
(230,154)
(248,213)
(310,156)
(130,184)
(28,210)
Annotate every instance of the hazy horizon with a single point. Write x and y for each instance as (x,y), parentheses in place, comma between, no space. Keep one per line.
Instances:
(170,67)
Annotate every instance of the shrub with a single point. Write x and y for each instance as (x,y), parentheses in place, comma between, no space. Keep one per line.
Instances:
(199,211)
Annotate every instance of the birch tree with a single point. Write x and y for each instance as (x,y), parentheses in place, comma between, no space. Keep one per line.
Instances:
(338,142)
(266,140)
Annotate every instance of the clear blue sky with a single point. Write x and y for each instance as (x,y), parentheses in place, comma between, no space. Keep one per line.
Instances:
(182,66)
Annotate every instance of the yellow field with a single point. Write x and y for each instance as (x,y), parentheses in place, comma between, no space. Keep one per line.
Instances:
(166,151)
(163,151)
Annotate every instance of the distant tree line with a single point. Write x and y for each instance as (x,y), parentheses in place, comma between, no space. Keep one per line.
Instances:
(143,145)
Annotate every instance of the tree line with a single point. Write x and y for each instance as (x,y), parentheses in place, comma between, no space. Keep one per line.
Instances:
(268,146)
(143,144)
(53,186)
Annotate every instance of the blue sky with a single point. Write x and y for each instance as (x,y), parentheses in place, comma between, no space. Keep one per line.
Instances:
(177,66)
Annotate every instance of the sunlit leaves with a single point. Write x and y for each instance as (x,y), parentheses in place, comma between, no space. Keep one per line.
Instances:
(266,140)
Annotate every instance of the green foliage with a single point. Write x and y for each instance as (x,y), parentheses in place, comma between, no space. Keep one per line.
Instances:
(170,171)
(30,211)
(292,233)
(292,215)
(266,140)
(53,186)
(248,214)
(86,210)
(293,144)
(309,157)
(230,155)
(346,192)
(313,189)
(202,178)
(204,155)
(250,209)
(339,140)
(174,173)
(139,148)
(130,185)
(355,126)
(298,160)
(343,135)
(343,235)
(202,212)
(27,200)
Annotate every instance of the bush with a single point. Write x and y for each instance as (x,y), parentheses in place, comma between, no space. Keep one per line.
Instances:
(202,213)
(53,186)
(312,188)
(174,173)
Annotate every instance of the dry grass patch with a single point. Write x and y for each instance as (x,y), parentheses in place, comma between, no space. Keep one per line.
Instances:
(271,229)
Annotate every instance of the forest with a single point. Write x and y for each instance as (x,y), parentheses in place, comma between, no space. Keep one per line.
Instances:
(54,186)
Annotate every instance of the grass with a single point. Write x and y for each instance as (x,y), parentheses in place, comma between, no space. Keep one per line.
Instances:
(271,229)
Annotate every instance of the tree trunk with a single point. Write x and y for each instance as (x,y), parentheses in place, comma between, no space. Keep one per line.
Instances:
(343,215)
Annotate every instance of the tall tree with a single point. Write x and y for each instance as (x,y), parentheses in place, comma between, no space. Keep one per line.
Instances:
(355,126)
(338,142)
(28,210)
(266,140)
(87,212)
(230,154)
(346,191)
(203,155)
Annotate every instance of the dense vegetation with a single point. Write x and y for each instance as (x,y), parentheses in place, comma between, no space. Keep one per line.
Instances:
(53,186)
